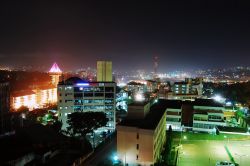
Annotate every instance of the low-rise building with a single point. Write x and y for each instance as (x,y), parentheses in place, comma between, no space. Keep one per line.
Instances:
(174,115)
(207,120)
(141,140)
(25,98)
(38,97)
(190,89)
(207,115)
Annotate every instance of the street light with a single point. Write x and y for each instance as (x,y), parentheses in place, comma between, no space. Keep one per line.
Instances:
(125,162)
(227,138)
(115,158)
(181,133)
(179,158)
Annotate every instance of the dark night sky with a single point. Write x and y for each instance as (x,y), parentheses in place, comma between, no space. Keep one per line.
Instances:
(183,34)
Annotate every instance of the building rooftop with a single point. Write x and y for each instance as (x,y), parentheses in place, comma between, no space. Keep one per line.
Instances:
(44,87)
(134,83)
(205,112)
(207,102)
(74,80)
(77,80)
(175,104)
(152,119)
(55,69)
(138,103)
(22,93)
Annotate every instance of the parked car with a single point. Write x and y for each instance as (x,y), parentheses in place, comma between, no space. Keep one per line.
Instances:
(224,163)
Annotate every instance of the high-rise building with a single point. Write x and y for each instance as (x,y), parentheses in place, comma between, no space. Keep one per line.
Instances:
(104,71)
(74,94)
(4,104)
(55,73)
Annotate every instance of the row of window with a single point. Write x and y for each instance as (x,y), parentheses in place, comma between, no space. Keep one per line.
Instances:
(204,126)
(214,117)
(200,118)
(107,95)
(94,107)
(173,119)
(94,89)
(95,101)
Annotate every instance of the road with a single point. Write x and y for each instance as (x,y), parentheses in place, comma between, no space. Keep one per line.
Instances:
(103,153)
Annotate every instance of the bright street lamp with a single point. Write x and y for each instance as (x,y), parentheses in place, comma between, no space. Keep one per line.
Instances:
(115,158)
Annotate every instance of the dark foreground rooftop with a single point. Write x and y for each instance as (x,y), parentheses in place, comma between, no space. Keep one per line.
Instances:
(207,102)
(152,119)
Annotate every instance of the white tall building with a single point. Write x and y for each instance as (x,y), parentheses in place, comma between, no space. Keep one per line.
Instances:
(74,94)
(55,73)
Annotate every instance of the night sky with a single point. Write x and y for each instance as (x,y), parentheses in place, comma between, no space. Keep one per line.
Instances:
(183,34)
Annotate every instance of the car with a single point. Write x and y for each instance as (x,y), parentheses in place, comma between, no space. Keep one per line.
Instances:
(224,163)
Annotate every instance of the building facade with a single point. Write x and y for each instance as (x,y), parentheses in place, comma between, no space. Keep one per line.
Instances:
(174,117)
(189,89)
(55,74)
(4,104)
(208,120)
(140,141)
(74,94)
(25,98)
(104,71)
(207,115)
(39,97)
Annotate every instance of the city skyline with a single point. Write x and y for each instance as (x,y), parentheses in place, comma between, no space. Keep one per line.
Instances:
(184,35)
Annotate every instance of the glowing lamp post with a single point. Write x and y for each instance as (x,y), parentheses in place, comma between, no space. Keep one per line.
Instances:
(139,97)
(219,98)
(115,159)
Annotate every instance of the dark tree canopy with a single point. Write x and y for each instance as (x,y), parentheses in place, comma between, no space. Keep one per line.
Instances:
(81,123)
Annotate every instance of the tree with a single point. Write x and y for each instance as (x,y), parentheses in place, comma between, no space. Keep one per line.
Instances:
(36,115)
(56,126)
(81,123)
(23,109)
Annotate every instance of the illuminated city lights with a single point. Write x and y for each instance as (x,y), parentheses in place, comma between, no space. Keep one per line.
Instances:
(165,83)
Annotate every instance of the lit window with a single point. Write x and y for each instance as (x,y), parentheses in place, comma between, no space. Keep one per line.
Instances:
(68,88)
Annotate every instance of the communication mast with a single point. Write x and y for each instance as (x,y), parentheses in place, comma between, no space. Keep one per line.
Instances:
(156,64)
